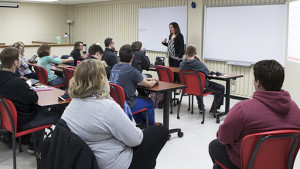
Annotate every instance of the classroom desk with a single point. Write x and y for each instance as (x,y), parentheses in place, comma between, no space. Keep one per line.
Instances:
(166,88)
(226,78)
(56,68)
(50,98)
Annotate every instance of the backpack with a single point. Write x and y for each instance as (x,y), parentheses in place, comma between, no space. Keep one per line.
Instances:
(160,61)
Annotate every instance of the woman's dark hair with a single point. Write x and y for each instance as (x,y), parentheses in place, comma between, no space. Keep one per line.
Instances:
(44,50)
(270,74)
(126,53)
(176,28)
(136,46)
(94,49)
(77,44)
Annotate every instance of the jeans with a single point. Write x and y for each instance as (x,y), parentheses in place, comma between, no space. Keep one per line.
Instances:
(57,81)
(141,116)
(42,118)
(219,92)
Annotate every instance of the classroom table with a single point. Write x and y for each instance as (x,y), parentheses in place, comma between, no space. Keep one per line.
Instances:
(226,78)
(50,97)
(166,88)
(56,68)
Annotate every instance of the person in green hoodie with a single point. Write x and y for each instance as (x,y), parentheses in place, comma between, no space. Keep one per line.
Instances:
(192,62)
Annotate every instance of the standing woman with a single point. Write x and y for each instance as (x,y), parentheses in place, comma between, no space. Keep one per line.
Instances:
(175,45)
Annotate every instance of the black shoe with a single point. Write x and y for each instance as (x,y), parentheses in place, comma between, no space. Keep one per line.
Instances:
(213,111)
(201,111)
(5,137)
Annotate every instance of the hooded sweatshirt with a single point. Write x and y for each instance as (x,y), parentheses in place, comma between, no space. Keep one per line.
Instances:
(196,66)
(17,90)
(267,110)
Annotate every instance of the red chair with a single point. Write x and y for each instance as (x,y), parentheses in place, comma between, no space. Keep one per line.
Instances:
(68,72)
(269,150)
(117,93)
(43,75)
(8,118)
(166,74)
(195,82)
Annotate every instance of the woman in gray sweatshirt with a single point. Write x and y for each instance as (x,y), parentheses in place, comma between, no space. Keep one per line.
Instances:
(98,120)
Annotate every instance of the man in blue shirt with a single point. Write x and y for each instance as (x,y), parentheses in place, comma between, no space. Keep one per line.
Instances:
(128,77)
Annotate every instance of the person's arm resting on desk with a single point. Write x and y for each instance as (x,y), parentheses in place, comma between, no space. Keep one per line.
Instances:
(148,82)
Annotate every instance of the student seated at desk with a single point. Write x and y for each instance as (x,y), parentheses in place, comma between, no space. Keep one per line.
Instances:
(76,52)
(270,108)
(109,56)
(96,52)
(140,60)
(45,60)
(193,63)
(126,76)
(24,70)
(116,142)
(17,90)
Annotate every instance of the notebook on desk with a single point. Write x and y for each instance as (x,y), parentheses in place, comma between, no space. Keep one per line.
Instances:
(63,66)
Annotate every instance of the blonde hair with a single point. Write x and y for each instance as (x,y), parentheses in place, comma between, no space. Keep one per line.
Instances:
(89,80)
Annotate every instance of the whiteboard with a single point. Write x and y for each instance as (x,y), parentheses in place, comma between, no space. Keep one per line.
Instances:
(294,32)
(245,33)
(153,25)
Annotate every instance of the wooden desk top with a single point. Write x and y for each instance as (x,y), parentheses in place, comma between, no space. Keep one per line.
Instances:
(163,86)
(227,76)
(54,67)
(50,97)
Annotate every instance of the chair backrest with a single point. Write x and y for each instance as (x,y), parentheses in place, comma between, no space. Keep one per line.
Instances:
(195,82)
(8,114)
(164,73)
(68,73)
(41,74)
(117,93)
(269,150)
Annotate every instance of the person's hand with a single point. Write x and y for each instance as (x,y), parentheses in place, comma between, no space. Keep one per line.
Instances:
(165,40)
(179,59)
(104,63)
(25,78)
(70,59)
(197,57)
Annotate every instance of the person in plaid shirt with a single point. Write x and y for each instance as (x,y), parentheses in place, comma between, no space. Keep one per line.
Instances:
(24,70)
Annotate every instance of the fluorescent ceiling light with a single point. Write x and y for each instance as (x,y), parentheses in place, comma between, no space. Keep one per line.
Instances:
(9,4)
(41,0)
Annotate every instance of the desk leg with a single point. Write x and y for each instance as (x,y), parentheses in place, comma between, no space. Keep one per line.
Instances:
(166,109)
(167,95)
(227,101)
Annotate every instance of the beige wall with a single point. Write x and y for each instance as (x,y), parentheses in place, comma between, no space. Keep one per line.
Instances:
(119,20)
(33,22)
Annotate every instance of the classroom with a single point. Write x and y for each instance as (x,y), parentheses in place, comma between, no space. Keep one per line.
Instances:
(62,23)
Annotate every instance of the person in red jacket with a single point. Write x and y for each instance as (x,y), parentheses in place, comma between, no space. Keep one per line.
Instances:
(270,108)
